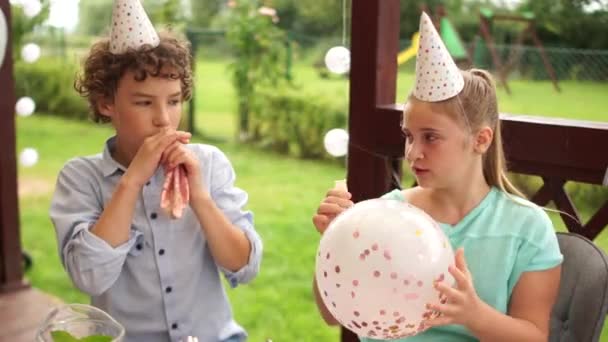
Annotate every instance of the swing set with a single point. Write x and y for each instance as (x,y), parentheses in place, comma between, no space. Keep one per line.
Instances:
(486,19)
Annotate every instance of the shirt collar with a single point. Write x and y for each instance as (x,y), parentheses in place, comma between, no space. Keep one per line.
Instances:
(109,165)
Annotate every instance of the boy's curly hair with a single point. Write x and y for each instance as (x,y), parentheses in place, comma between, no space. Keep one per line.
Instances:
(102,69)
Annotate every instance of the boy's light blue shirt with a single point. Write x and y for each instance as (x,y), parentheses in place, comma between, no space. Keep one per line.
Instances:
(162,284)
(502,239)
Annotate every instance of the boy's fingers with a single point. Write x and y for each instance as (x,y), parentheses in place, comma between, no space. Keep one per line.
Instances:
(168,151)
(184,137)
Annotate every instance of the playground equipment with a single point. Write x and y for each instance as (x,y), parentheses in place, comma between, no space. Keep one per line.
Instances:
(486,17)
(448,33)
(411,51)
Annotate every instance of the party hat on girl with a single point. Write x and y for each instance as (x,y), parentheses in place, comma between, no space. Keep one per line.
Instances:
(437,76)
(131,27)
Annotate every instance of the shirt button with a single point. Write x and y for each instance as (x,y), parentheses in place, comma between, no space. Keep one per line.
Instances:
(161,252)
(148,183)
(168,289)
(153,216)
(139,246)
(174,326)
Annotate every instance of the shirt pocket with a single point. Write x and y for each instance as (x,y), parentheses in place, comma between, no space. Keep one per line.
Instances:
(139,243)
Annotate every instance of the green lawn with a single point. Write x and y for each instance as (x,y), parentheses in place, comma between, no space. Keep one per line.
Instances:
(284,192)
(577,100)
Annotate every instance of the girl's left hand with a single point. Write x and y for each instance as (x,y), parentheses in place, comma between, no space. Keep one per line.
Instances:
(179,154)
(462,305)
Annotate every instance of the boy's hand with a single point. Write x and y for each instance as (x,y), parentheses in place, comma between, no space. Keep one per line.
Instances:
(335,202)
(178,154)
(149,154)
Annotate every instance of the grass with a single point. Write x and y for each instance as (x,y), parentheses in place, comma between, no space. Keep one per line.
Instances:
(216,98)
(284,192)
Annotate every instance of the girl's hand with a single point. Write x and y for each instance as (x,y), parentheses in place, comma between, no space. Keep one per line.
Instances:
(178,154)
(335,202)
(460,304)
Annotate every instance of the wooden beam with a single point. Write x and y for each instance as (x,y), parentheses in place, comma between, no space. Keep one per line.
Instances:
(373,82)
(11,273)
(559,148)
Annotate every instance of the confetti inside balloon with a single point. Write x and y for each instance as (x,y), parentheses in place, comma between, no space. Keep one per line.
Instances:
(337,60)
(25,106)
(28,157)
(336,142)
(30,52)
(376,265)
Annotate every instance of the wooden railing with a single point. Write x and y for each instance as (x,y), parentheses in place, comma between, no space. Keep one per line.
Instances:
(557,150)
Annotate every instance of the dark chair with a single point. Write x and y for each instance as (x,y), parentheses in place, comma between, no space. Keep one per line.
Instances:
(580,310)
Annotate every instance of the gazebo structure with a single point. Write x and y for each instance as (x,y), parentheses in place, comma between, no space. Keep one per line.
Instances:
(22,308)
(556,150)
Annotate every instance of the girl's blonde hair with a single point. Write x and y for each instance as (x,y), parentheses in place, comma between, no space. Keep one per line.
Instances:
(475,106)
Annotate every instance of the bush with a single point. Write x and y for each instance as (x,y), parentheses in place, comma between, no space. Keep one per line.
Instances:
(49,82)
(294,123)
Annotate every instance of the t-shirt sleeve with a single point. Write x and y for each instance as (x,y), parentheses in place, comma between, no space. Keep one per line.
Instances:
(539,249)
(393,195)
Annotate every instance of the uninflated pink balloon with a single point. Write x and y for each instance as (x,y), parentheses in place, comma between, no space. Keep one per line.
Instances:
(376,266)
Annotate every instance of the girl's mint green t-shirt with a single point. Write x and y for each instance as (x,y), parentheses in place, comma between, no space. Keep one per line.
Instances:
(503,237)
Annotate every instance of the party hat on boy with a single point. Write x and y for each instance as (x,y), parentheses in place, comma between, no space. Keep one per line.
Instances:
(131,27)
(437,76)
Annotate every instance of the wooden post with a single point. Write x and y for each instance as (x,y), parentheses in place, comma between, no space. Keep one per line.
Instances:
(373,83)
(11,273)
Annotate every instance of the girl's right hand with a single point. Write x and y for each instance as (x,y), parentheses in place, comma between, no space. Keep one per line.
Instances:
(150,153)
(335,202)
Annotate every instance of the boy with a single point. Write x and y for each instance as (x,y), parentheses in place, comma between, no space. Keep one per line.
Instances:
(156,274)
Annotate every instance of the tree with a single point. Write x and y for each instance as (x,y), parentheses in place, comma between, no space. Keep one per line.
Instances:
(572,21)
(94,17)
(22,26)
(203,11)
(259,47)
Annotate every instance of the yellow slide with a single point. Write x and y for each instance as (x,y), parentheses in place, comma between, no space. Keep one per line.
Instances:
(411,51)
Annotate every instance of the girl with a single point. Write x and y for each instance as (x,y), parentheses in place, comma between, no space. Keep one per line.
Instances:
(507,264)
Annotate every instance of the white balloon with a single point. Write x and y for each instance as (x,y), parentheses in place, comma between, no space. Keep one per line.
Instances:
(30,52)
(3,37)
(336,142)
(28,157)
(25,106)
(376,266)
(337,60)
(31,8)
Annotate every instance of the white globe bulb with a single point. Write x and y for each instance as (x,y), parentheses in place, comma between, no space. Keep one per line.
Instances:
(30,52)
(31,8)
(336,142)
(3,37)
(25,106)
(28,157)
(337,60)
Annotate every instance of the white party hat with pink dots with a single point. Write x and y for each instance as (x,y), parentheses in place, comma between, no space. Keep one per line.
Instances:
(437,76)
(131,27)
